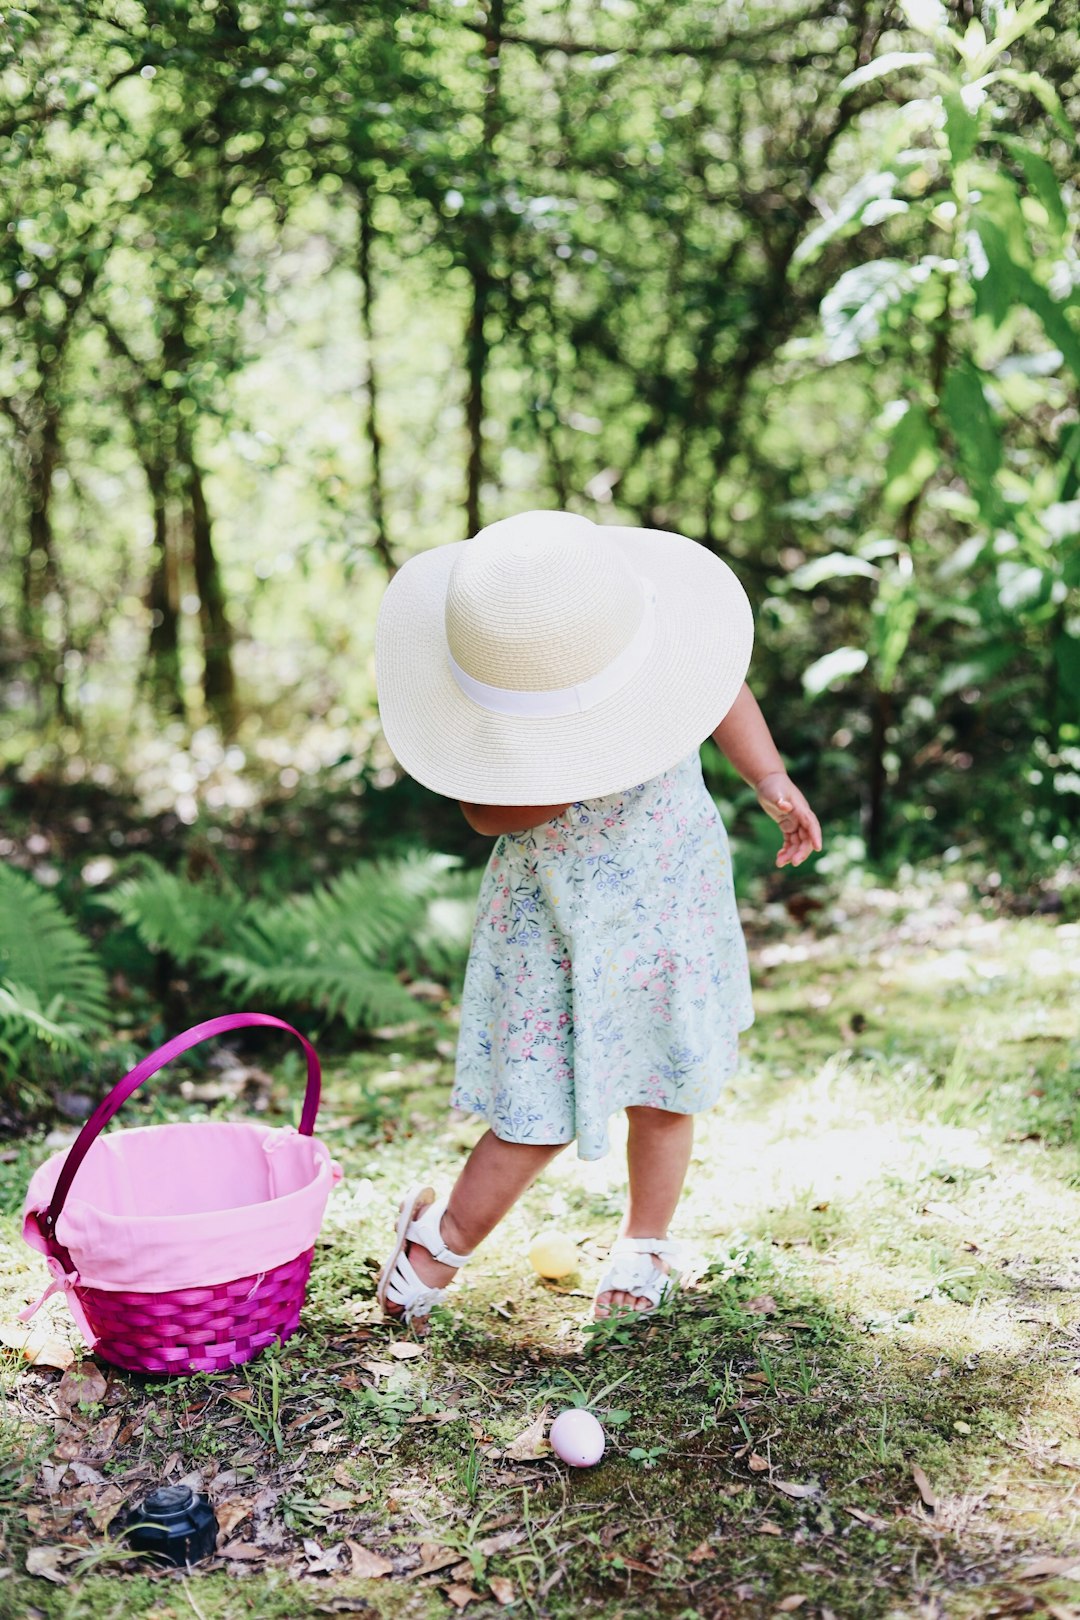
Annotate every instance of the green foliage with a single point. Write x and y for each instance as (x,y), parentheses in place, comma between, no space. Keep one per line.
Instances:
(338,949)
(973,319)
(171,913)
(790,280)
(53,992)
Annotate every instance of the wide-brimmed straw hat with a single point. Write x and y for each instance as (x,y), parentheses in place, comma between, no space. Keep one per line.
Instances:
(551,659)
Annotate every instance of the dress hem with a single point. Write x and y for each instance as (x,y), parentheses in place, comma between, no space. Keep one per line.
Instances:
(566,1141)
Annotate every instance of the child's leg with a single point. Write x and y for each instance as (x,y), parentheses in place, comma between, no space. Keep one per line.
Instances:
(657,1158)
(494,1177)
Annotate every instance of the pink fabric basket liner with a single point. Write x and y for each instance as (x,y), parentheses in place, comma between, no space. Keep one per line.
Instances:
(163,1207)
(183,1247)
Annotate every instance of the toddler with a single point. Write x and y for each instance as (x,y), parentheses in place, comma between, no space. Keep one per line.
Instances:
(557,677)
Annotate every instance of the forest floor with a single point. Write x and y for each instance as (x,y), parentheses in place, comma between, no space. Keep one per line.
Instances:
(865,1403)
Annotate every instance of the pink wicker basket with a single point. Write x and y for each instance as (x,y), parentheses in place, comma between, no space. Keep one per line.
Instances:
(186,1247)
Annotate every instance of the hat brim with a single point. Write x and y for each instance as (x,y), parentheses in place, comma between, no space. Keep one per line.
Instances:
(697,664)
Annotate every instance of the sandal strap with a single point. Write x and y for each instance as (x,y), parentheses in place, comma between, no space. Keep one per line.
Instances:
(426,1231)
(404,1287)
(631,1269)
(669,1249)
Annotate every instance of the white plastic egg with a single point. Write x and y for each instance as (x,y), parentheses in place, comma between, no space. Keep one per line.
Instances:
(577,1438)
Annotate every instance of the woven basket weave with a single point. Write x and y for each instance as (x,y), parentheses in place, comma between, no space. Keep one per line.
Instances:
(190,1329)
(198,1329)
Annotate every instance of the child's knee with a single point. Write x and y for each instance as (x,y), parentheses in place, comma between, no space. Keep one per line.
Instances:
(659,1119)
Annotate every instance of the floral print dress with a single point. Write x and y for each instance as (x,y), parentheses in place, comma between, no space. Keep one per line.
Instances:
(608,967)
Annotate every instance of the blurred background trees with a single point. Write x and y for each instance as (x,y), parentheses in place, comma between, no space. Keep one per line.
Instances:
(289,292)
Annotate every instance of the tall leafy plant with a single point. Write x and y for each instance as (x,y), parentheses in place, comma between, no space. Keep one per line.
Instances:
(345,948)
(975,322)
(53,991)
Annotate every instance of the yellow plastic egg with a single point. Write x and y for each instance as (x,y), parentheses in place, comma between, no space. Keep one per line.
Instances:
(553,1254)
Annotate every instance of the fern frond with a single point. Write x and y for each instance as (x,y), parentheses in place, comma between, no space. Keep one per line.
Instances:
(171,913)
(340,985)
(44,954)
(339,947)
(22,1016)
(369,909)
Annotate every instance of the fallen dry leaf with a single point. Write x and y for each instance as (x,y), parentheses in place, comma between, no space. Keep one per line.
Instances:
(788,1604)
(320,1562)
(230,1513)
(791,1487)
(1043,1569)
(490,1545)
(84,1383)
(405,1350)
(756,1463)
(103,1436)
(502,1590)
(242,1551)
(39,1348)
(48,1562)
(380,1369)
(460,1595)
(867,1518)
(434,1556)
(105,1506)
(923,1486)
(369,1566)
(701,1553)
(530,1443)
(70,1443)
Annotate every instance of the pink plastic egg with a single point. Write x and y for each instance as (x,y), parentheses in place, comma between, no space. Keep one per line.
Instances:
(577,1438)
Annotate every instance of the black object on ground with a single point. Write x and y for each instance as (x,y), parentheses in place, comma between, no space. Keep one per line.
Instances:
(174,1523)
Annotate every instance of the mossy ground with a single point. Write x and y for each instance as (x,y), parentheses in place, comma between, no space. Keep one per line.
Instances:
(885,1217)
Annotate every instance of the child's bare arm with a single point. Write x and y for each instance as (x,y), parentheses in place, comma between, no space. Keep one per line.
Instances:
(495,819)
(747,741)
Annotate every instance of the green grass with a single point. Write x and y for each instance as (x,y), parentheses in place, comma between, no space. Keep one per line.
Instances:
(884,1214)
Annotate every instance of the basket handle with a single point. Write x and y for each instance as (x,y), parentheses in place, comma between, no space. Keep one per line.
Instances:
(150,1065)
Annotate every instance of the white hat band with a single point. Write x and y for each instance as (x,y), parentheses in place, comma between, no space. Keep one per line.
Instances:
(564,700)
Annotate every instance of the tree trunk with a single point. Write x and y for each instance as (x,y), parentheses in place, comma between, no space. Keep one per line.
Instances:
(476,345)
(476,365)
(371,423)
(219,682)
(40,574)
(163,645)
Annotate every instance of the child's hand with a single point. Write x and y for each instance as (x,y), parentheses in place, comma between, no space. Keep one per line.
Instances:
(780,798)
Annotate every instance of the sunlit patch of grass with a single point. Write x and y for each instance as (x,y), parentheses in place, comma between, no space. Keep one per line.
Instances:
(883,1215)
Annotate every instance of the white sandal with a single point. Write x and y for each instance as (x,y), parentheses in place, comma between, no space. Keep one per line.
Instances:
(419,1220)
(631,1271)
